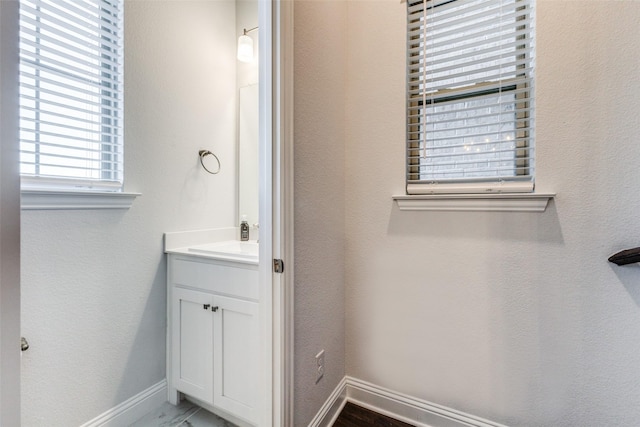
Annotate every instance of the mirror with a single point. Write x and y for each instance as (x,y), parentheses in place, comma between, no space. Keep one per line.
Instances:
(248,184)
(247,115)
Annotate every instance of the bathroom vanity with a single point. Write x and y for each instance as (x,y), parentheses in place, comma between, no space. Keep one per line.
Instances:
(213,330)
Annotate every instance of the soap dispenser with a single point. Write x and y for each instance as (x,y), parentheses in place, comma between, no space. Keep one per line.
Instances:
(244,229)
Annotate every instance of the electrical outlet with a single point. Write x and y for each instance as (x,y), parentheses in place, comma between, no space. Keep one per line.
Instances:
(319,366)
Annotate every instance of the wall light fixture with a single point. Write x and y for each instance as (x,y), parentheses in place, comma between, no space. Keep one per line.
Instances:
(245,46)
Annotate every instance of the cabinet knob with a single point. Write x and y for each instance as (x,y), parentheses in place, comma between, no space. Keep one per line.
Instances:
(206,306)
(214,309)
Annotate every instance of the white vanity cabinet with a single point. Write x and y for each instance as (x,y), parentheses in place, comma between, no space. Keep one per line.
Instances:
(213,349)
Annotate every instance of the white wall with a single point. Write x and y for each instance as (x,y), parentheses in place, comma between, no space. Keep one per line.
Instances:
(93,282)
(319,135)
(515,317)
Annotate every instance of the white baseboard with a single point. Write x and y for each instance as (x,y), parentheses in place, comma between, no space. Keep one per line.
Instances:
(327,415)
(393,404)
(132,409)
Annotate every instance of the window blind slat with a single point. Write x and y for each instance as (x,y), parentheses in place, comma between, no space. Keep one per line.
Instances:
(473,12)
(75,176)
(74,85)
(64,61)
(86,8)
(45,20)
(94,131)
(487,26)
(415,50)
(476,156)
(87,169)
(499,173)
(514,142)
(69,138)
(89,10)
(441,119)
(516,87)
(74,162)
(482,23)
(504,70)
(473,166)
(496,77)
(83,24)
(90,106)
(462,54)
(52,107)
(466,40)
(56,46)
(417,7)
(86,163)
(454,11)
(61,84)
(468,133)
(444,70)
(63,118)
(78,44)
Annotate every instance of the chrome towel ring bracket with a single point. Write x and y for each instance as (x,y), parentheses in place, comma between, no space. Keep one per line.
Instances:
(205,153)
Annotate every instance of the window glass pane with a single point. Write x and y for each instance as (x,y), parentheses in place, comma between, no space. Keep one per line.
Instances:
(470,138)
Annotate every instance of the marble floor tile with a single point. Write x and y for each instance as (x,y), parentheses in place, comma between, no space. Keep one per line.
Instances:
(204,418)
(186,414)
(168,415)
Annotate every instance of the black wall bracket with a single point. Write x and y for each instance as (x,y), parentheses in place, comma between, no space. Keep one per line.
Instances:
(628,256)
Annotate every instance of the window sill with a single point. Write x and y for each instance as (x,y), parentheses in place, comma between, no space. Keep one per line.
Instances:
(71,200)
(513,202)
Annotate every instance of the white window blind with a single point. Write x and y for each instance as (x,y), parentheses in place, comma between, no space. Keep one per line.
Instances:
(71,106)
(470,66)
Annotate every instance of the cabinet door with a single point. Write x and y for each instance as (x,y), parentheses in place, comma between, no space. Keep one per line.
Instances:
(236,356)
(192,343)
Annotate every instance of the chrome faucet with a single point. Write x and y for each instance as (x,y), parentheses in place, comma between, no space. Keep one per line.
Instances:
(244,229)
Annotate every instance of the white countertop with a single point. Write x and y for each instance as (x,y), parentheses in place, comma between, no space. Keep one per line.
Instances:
(221,244)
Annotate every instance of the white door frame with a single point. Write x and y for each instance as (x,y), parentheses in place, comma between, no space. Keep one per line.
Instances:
(9,218)
(276,206)
(283,133)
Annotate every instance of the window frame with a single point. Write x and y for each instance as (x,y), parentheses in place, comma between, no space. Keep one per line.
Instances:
(107,87)
(523,111)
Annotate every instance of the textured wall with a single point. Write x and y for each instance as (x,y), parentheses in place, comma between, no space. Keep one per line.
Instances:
(320,59)
(516,317)
(93,282)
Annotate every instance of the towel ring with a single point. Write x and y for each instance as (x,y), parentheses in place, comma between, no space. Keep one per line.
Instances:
(205,153)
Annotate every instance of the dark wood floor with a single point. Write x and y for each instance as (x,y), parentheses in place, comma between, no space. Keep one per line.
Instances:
(357,416)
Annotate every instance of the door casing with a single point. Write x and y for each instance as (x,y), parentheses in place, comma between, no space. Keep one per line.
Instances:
(9,218)
(276,207)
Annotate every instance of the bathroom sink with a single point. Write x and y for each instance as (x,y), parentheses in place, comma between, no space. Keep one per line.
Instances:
(230,248)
